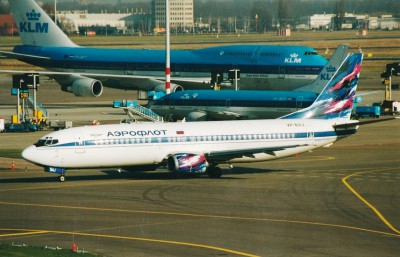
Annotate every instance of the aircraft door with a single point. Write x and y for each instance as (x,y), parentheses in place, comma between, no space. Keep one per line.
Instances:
(256,53)
(299,102)
(281,72)
(310,135)
(171,104)
(129,69)
(176,72)
(79,144)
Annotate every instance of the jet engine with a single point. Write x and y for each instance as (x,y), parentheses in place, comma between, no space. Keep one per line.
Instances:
(196,116)
(85,87)
(173,87)
(187,163)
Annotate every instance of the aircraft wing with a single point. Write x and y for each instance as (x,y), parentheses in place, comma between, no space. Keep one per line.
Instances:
(120,81)
(62,73)
(214,115)
(226,155)
(126,82)
(224,115)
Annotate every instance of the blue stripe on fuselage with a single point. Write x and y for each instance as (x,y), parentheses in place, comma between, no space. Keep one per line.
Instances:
(206,138)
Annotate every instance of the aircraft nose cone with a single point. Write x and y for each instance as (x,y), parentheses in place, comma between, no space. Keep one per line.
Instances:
(29,153)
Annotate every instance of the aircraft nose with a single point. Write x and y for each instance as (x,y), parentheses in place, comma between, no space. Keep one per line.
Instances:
(30,154)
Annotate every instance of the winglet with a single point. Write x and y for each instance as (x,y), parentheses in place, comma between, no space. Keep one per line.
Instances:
(336,101)
(328,71)
(36,28)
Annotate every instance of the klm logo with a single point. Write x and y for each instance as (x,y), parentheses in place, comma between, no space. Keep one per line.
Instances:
(33,25)
(329,73)
(294,58)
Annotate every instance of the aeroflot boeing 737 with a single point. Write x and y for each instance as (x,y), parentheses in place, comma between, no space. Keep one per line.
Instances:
(198,147)
(84,71)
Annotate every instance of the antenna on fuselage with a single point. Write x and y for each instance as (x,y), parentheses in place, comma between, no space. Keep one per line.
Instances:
(167,50)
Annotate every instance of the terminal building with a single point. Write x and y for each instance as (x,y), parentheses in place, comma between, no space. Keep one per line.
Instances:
(351,21)
(132,21)
(181,14)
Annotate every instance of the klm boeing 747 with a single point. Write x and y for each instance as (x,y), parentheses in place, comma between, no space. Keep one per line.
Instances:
(84,71)
(198,147)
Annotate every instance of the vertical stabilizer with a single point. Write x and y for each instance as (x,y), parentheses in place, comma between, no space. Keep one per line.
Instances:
(36,28)
(328,71)
(336,101)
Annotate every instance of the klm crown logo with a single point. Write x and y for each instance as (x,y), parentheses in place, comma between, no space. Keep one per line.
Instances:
(33,16)
(330,69)
(33,25)
(328,74)
(294,58)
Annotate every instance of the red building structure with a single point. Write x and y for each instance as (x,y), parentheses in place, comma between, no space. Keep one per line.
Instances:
(7,25)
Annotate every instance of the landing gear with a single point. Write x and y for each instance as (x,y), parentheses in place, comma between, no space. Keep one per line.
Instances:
(61,178)
(214,172)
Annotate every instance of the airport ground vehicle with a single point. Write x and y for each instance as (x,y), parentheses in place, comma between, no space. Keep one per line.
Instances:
(368,111)
(389,107)
(26,126)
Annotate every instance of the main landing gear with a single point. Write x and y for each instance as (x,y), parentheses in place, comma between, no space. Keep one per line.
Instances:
(214,172)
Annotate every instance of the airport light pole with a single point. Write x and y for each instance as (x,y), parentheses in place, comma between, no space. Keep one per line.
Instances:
(19,100)
(167,51)
(55,12)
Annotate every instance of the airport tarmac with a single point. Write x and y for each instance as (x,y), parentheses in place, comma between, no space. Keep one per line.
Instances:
(338,201)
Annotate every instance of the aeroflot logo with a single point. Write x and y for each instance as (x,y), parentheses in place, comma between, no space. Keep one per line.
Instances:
(33,25)
(142,133)
(294,58)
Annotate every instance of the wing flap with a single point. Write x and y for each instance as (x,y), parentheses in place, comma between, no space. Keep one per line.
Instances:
(224,155)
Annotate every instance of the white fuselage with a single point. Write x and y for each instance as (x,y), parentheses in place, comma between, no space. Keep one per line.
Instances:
(148,143)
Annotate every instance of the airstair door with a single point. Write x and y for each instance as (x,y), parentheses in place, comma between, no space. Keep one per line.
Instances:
(79,144)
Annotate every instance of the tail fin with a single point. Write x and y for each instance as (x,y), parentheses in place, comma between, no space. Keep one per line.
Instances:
(36,28)
(328,71)
(336,101)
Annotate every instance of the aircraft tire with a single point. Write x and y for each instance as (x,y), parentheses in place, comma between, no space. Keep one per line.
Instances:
(61,178)
(214,172)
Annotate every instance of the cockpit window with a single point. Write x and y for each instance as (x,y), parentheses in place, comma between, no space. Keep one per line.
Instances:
(47,141)
(310,53)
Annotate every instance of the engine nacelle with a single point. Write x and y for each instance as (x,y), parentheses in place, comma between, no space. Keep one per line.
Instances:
(196,116)
(187,163)
(173,87)
(85,87)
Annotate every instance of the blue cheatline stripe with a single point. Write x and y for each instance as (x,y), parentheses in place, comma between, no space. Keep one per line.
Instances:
(208,138)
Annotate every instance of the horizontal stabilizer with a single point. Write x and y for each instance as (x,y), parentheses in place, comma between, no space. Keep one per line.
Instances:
(23,56)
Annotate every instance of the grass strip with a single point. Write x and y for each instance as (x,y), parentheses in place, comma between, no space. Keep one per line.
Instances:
(11,153)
